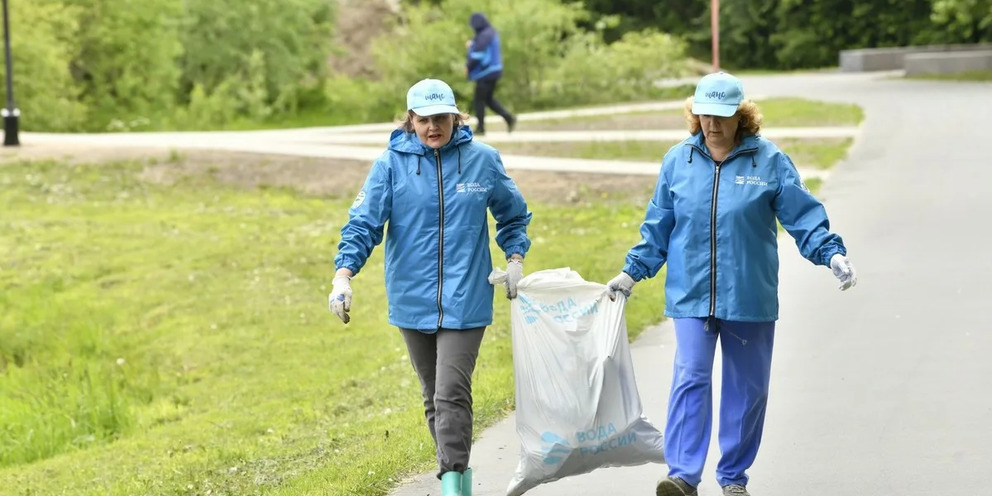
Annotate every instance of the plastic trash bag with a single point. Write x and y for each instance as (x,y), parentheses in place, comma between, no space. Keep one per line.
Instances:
(577,403)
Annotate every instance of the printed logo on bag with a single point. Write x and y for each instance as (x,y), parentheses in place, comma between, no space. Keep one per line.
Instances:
(593,441)
(561,311)
(470,188)
(359,199)
(554,447)
(750,181)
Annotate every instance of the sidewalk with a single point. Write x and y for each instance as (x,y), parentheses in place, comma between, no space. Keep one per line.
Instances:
(306,143)
(367,141)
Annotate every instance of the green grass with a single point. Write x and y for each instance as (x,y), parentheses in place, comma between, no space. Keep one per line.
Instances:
(968,76)
(174,339)
(813,153)
(795,112)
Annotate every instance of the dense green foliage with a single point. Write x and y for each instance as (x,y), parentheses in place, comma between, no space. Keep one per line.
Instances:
(121,65)
(784,34)
(99,65)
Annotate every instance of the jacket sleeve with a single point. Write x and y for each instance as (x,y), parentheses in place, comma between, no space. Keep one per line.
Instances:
(479,51)
(646,257)
(803,216)
(510,211)
(366,219)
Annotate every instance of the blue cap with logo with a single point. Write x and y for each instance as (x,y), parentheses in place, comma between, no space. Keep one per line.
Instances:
(717,94)
(431,97)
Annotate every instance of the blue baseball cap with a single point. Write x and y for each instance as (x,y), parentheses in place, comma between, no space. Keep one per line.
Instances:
(717,94)
(431,97)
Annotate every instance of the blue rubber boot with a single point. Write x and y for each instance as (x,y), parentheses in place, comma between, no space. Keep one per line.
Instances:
(451,484)
(467,482)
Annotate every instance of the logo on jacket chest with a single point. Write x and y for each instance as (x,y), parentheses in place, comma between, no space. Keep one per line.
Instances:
(750,181)
(470,188)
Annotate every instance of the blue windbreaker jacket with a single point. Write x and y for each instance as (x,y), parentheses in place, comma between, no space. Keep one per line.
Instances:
(484,59)
(437,238)
(715,227)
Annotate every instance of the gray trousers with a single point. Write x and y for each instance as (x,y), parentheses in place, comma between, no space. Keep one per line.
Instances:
(444,362)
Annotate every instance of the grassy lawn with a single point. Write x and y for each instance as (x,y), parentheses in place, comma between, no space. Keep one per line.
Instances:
(173,339)
(970,76)
(813,153)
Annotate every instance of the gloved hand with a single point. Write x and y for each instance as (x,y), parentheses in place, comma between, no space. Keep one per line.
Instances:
(339,301)
(843,270)
(514,273)
(622,284)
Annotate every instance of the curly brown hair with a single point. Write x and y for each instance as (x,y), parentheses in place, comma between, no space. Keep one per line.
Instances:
(750,123)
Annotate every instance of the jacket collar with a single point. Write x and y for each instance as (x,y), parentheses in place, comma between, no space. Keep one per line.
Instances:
(748,143)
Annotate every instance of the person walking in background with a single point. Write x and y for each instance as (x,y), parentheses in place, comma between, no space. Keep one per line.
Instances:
(712,219)
(430,191)
(484,65)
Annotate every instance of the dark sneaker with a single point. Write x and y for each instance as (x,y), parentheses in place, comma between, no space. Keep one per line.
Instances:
(735,490)
(511,124)
(674,486)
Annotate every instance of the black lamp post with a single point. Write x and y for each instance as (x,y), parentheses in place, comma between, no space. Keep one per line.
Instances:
(10,112)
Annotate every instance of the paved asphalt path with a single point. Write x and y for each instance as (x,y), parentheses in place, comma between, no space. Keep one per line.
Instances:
(885,389)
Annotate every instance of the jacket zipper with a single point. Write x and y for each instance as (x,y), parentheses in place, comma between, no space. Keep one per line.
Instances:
(716,188)
(440,239)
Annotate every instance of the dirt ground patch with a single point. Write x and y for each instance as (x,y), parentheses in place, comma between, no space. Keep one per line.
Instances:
(322,176)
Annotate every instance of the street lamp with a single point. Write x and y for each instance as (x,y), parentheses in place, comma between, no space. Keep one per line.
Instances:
(10,112)
(715,30)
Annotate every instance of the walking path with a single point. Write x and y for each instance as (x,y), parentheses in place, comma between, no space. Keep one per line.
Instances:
(367,142)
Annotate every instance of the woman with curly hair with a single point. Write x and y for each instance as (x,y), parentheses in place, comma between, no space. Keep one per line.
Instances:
(712,219)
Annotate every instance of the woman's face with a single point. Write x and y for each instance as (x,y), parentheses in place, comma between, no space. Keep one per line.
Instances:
(720,131)
(433,131)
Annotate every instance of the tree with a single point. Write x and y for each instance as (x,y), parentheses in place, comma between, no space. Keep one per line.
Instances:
(281,45)
(965,21)
(125,65)
(43,43)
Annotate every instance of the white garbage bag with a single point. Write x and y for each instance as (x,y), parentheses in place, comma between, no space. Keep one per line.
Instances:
(577,404)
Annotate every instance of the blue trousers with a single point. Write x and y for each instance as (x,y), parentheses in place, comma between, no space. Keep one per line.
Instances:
(747,358)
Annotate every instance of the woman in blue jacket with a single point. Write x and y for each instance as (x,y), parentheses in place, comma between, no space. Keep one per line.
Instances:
(430,192)
(712,219)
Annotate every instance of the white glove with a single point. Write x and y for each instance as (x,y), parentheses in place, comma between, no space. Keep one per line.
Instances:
(339,301)
(844,271)
(514,273)
(622,284)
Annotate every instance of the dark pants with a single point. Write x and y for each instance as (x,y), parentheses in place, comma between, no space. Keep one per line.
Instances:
(444,362)
(484,90)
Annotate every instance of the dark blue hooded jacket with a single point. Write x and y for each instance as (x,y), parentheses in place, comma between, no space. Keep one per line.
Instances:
(484,59)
